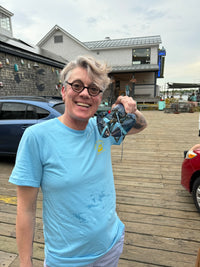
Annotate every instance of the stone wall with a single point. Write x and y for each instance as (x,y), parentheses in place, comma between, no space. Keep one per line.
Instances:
(19,76)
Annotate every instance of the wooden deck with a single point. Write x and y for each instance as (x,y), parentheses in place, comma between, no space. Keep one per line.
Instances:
(162,224)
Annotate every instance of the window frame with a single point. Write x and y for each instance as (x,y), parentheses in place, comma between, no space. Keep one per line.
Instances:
(5,22)
(26,105)
(58,39)
(143,57)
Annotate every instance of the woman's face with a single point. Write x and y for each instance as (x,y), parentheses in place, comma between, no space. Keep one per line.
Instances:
(79,107)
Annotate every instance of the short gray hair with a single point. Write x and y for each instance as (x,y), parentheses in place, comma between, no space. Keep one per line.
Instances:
(97,71)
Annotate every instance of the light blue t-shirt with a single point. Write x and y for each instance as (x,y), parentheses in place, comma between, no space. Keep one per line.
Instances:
(74,170)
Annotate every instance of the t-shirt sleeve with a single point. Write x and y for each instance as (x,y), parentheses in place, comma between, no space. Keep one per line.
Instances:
(28,167)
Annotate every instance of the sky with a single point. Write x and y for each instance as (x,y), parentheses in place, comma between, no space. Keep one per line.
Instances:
(176,21)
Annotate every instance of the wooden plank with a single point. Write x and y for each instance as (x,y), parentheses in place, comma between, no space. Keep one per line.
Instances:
(163,220)
(6,259)
(9,231)
(130,263)
(161,243)
(8,244)
(157,211)
(158,257)
(36,263)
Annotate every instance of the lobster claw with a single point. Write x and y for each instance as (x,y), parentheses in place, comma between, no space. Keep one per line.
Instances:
(102,124)
(124,127)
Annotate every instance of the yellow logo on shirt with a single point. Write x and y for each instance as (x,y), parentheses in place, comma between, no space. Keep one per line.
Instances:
(99,146)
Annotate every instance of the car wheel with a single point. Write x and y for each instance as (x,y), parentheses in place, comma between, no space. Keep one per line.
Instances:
(196,193)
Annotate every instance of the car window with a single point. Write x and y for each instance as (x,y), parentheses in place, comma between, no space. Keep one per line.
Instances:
(60,108)
(12,111)
(31,112)
(20,111)
(34,112)
(42,113)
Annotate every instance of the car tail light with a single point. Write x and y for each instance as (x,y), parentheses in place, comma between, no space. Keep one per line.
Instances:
(190,154)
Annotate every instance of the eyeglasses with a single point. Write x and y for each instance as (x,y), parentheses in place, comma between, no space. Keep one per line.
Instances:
(78,87)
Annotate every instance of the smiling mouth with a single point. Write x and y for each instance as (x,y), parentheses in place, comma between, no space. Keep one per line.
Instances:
(83,105)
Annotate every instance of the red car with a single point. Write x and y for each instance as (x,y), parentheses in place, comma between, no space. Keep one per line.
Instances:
(190,174)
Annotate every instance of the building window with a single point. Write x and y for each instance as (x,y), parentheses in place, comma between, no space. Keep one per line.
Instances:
(141,56)
(5,22)
(58,39)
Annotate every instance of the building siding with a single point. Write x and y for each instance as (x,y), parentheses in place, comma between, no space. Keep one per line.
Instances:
(116,57)
(69,49)
(28,80)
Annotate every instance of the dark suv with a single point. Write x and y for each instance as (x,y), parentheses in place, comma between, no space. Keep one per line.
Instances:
(19,112)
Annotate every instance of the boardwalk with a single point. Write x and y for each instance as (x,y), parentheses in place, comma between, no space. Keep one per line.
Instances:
(162,224)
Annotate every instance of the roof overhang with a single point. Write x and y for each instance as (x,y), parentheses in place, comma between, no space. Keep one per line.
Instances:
(135,68)
(6,12)
(183,85)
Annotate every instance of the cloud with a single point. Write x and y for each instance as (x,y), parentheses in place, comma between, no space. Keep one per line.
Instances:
(91,21)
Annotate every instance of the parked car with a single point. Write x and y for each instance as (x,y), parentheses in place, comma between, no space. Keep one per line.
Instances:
(190,173)
(19,112)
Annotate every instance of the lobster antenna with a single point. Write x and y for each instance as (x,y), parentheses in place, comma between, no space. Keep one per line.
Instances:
(122,150)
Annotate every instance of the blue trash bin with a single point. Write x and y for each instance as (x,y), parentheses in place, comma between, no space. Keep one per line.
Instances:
(161,105)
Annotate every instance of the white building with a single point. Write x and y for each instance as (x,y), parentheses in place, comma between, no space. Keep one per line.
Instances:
(136,62)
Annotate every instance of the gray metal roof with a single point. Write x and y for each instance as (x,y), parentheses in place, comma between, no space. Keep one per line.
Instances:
(139,67)
(126,42)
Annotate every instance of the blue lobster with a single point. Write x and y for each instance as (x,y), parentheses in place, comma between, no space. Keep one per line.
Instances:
(116,123)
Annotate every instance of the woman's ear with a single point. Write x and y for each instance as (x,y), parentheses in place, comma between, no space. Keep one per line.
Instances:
(63,92)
